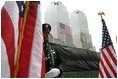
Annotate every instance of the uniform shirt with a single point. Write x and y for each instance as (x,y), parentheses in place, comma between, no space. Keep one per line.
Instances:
(52,58)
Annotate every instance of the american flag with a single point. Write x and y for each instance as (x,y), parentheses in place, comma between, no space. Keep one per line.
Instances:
(31,62)
(64,29)
(9,35)
(108,60)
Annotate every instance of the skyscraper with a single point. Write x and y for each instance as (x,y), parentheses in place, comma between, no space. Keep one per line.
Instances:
(57,16)
(80,31)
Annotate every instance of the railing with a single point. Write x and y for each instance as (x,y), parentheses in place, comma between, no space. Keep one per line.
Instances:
(83,74)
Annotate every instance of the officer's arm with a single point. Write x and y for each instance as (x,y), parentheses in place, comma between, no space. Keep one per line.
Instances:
(60,63)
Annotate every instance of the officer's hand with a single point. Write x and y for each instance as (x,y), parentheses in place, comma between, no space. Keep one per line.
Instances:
(52,73)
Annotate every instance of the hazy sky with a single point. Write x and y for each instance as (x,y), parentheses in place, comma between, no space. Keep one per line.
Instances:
(91,9)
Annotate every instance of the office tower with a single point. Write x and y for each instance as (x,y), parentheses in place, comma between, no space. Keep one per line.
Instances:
(57,16)
(80,31)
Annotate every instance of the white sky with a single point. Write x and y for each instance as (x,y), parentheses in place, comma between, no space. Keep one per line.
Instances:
(91,9)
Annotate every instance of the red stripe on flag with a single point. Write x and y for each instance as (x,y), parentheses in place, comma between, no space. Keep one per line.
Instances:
(43,66)
(27,41)
(109,64)
(101,74)
(67,30)
(62,31)
(111,55)
(7,33)
(113,48)
(105,70)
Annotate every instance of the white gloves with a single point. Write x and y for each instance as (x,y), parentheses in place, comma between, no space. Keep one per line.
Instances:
(52,73)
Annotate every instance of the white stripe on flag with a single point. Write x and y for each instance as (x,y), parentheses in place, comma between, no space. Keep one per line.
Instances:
(110,60)
(99,76)
(106,65)
(104,74)
(36,53)
(112,51)
(5,69)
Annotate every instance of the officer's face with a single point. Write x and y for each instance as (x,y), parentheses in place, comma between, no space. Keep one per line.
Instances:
(46,36)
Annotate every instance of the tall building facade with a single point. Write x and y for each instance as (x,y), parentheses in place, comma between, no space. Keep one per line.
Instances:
(80,31)
(57,16)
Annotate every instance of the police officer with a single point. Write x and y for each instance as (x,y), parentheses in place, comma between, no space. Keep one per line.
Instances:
(54,65)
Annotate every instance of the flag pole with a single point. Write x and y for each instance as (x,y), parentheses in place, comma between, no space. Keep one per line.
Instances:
(20,41)
(100,14)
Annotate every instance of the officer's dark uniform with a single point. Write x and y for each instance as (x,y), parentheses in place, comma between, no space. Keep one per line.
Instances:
(52,56)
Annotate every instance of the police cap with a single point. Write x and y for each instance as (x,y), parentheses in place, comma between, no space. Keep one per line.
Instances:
(46,27)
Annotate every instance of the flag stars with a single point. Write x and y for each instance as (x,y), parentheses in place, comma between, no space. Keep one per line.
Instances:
(105,36)
(103,45)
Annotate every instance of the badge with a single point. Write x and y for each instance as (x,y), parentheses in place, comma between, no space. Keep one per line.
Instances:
(50,67)
(46,58)
(53,52)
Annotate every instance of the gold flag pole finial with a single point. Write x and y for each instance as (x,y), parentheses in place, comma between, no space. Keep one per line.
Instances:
(101,13)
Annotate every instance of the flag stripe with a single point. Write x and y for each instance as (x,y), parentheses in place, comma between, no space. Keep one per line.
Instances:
(103,71)
(5,69)
(110,63)
(36,53)
(8,37)
(113,52)
(13,11)
(67,31)
(108,59)
(111,55)
(43,66)
(9,30)
(27,42)
(102,74)
(106,70)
